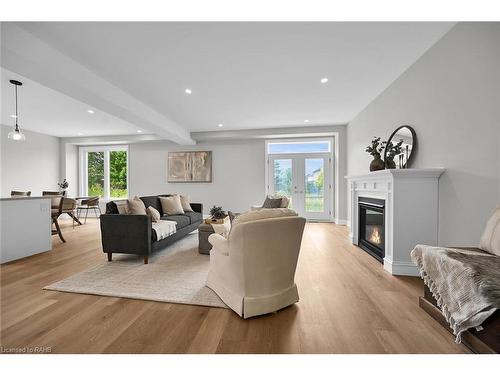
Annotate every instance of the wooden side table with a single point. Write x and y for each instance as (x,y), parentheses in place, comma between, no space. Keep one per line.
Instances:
(212,221)
(204,230)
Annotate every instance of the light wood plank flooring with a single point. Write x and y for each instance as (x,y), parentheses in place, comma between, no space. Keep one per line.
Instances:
(348,304)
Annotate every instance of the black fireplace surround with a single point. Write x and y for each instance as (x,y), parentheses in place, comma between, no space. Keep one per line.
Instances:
(372,226)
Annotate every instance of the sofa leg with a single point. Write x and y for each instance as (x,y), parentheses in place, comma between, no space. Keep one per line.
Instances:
(145,259)
(110,257)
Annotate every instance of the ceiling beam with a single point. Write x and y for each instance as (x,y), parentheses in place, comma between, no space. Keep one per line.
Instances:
(27,55)
(271,133)
(111,139)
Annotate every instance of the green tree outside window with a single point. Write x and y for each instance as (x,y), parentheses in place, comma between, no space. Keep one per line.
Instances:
(118,174)
(95,173)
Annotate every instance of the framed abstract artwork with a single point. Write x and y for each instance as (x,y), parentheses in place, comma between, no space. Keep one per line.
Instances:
(189,166)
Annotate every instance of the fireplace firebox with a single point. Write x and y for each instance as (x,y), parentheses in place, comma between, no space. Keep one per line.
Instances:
(372,226)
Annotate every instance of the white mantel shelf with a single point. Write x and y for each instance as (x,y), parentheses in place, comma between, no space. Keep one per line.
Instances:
(411,211)
(399,173)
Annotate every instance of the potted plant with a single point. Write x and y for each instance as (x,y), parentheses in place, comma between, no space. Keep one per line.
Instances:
(375,149)
(63,186)
(217,213)
(392,151)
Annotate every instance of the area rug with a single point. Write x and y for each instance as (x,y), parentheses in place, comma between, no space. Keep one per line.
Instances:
(176,274)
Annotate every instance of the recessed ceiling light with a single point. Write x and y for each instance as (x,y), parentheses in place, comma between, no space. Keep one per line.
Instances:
(188,91)
(91,111)
(13,116)
(220,125)
(139,131)
(306,120)
(80,133)
(324,80)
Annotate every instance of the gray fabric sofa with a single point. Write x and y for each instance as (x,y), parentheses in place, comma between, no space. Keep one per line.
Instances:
(133,234)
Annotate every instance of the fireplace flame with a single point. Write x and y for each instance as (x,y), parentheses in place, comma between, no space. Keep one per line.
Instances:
(375,236)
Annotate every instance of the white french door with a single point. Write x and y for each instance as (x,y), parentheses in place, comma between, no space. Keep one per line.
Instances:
(306,180)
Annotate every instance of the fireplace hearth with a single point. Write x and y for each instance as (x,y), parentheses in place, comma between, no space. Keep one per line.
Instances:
(372,226)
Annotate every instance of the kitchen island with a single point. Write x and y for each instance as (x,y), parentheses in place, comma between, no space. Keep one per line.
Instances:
(25,227)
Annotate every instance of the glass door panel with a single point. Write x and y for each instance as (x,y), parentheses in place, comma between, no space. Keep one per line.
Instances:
(282,176)
(95,173)
(314,185)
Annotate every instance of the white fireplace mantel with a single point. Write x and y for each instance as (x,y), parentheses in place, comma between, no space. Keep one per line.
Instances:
(411,211)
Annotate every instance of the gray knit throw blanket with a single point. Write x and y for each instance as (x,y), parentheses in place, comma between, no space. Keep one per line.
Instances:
(465,284)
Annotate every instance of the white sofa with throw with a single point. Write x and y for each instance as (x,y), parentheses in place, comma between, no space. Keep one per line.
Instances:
(253,269)
(284,202)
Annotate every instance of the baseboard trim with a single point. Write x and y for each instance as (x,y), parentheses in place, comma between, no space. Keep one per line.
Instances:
(400,268)
(339,221)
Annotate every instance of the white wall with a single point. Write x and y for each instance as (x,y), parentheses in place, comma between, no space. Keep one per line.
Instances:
(30,165)
(69,167)
(238,173)
(238,164)
(451,96)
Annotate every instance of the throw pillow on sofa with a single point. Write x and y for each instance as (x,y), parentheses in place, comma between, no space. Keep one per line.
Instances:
(153,213)
(171,205)
(122,207)
(284,200)
(185,203)
(136,206)
(272,203)
(490,240)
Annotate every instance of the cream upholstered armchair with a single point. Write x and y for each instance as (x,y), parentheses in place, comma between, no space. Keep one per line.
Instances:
(253,269)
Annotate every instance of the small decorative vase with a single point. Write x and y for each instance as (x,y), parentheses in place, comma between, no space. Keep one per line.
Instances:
(377,164)
(390,164)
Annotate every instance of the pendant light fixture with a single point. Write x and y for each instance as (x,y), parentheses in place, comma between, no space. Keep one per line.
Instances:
(16,134)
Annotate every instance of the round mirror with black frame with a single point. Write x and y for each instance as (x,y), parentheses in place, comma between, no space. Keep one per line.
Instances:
(400,148)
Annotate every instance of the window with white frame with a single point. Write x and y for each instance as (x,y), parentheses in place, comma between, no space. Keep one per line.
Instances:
(298,147)
(104,171)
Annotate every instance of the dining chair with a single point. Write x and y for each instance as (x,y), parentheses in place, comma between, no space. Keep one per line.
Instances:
(91,203)
(15,193)
(50,193)
(69,207)
(69,204)
(56,206)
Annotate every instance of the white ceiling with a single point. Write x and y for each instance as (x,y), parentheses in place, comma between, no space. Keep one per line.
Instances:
(47,111)
(244,75)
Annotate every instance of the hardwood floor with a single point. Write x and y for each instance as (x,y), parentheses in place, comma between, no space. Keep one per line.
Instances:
(348,304)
